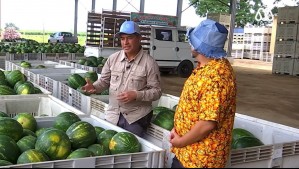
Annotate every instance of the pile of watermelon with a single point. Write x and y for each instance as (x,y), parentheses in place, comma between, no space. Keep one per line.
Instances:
(21,141)
(93,61)
(244,139)
(15,82)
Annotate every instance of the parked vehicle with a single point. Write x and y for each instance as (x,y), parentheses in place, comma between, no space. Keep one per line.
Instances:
(62,37)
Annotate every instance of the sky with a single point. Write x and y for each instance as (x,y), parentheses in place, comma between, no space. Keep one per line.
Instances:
(58,15)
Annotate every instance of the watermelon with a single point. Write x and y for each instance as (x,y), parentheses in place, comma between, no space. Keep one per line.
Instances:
(64,120)
(158,109)
(19,83)
(11,128)
(40,67)
(75,81)
(81,134)
(4,82)
(42,130)
(98,131)
(5,163)
(26,143)
(27,132)
(92,76)
(27,121)
(82,61)
(100,59)
(32,156)
(54,143)
(2,75)
(239,132)
(165,119)
(105,137)
(14,76)
(2,114)
(80,153)
(26,65)
(99,150)
(9,150)
(26,88)
(124,142)
(245,142)
(5,90)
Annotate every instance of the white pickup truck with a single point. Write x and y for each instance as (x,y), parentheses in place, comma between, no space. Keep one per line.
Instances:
(62,37)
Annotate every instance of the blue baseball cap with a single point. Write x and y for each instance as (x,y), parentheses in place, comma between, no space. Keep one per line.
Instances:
(128,27)
(208,39)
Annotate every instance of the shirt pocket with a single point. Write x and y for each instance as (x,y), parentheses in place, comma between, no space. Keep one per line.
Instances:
(115,79)
(137,81)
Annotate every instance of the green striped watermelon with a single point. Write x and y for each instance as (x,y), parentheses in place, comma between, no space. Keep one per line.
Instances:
(19,83)
(26,88)
(11,128)
(26,143)
(81,134)
(2,75)
(5,163)
(80,153)
(75,81)
(5,90)
(124,142)
(42,130)
(32,156)
(105,137)
(27,132)
(2,114)
(54,143)
(245,142)
(27,121)
(99,150)
(239,132)
(98,131)
(9,150)
(4,82)
(92,76)
(14,76)
(165,119)
(65,119)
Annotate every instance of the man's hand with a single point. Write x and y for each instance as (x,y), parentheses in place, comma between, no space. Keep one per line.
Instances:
(127,96)
(89,88)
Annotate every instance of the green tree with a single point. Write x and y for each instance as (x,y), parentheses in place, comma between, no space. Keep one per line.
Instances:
(11,25)
(245,13)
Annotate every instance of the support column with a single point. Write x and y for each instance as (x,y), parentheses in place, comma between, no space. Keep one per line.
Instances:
(142,6)
(76,18)
(93,6)
(114,5)
(232,11)
(179,11)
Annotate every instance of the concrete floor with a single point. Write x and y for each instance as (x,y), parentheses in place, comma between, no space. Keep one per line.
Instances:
(261,94)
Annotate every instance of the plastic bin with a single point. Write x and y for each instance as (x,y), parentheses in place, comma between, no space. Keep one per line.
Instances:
(37,105)
(150,156)
(2,62)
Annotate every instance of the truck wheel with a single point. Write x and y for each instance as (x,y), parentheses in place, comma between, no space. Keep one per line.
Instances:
(185,68)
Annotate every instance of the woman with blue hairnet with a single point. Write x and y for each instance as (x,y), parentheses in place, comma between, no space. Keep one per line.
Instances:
(204,116)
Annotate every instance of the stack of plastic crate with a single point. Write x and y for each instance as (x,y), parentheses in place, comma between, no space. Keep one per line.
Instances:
(2,60)
(286,52)
(238,43)
(257,42)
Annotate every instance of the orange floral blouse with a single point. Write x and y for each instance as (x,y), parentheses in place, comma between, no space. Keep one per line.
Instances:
(208,94)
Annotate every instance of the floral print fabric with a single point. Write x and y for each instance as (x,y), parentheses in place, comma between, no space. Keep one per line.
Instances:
(208,94)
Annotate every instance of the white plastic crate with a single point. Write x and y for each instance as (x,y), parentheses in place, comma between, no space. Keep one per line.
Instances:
(98,105)
(282,65)
(288,14)
(16,56)
(33,56)
(221,18)
(296,67)
(77,56)
(70,63)
(150,156)
(281,147)
(37,105)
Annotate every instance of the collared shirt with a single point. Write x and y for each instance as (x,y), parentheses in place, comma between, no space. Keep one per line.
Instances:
(141,74)
(208,94)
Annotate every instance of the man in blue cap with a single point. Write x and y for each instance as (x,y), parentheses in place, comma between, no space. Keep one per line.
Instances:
(133,79)
(204,116)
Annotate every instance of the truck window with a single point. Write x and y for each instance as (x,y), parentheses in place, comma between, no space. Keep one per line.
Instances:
(164,35)
(182,36)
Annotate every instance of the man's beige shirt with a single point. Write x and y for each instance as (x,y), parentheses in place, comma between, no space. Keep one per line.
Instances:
(142,75)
